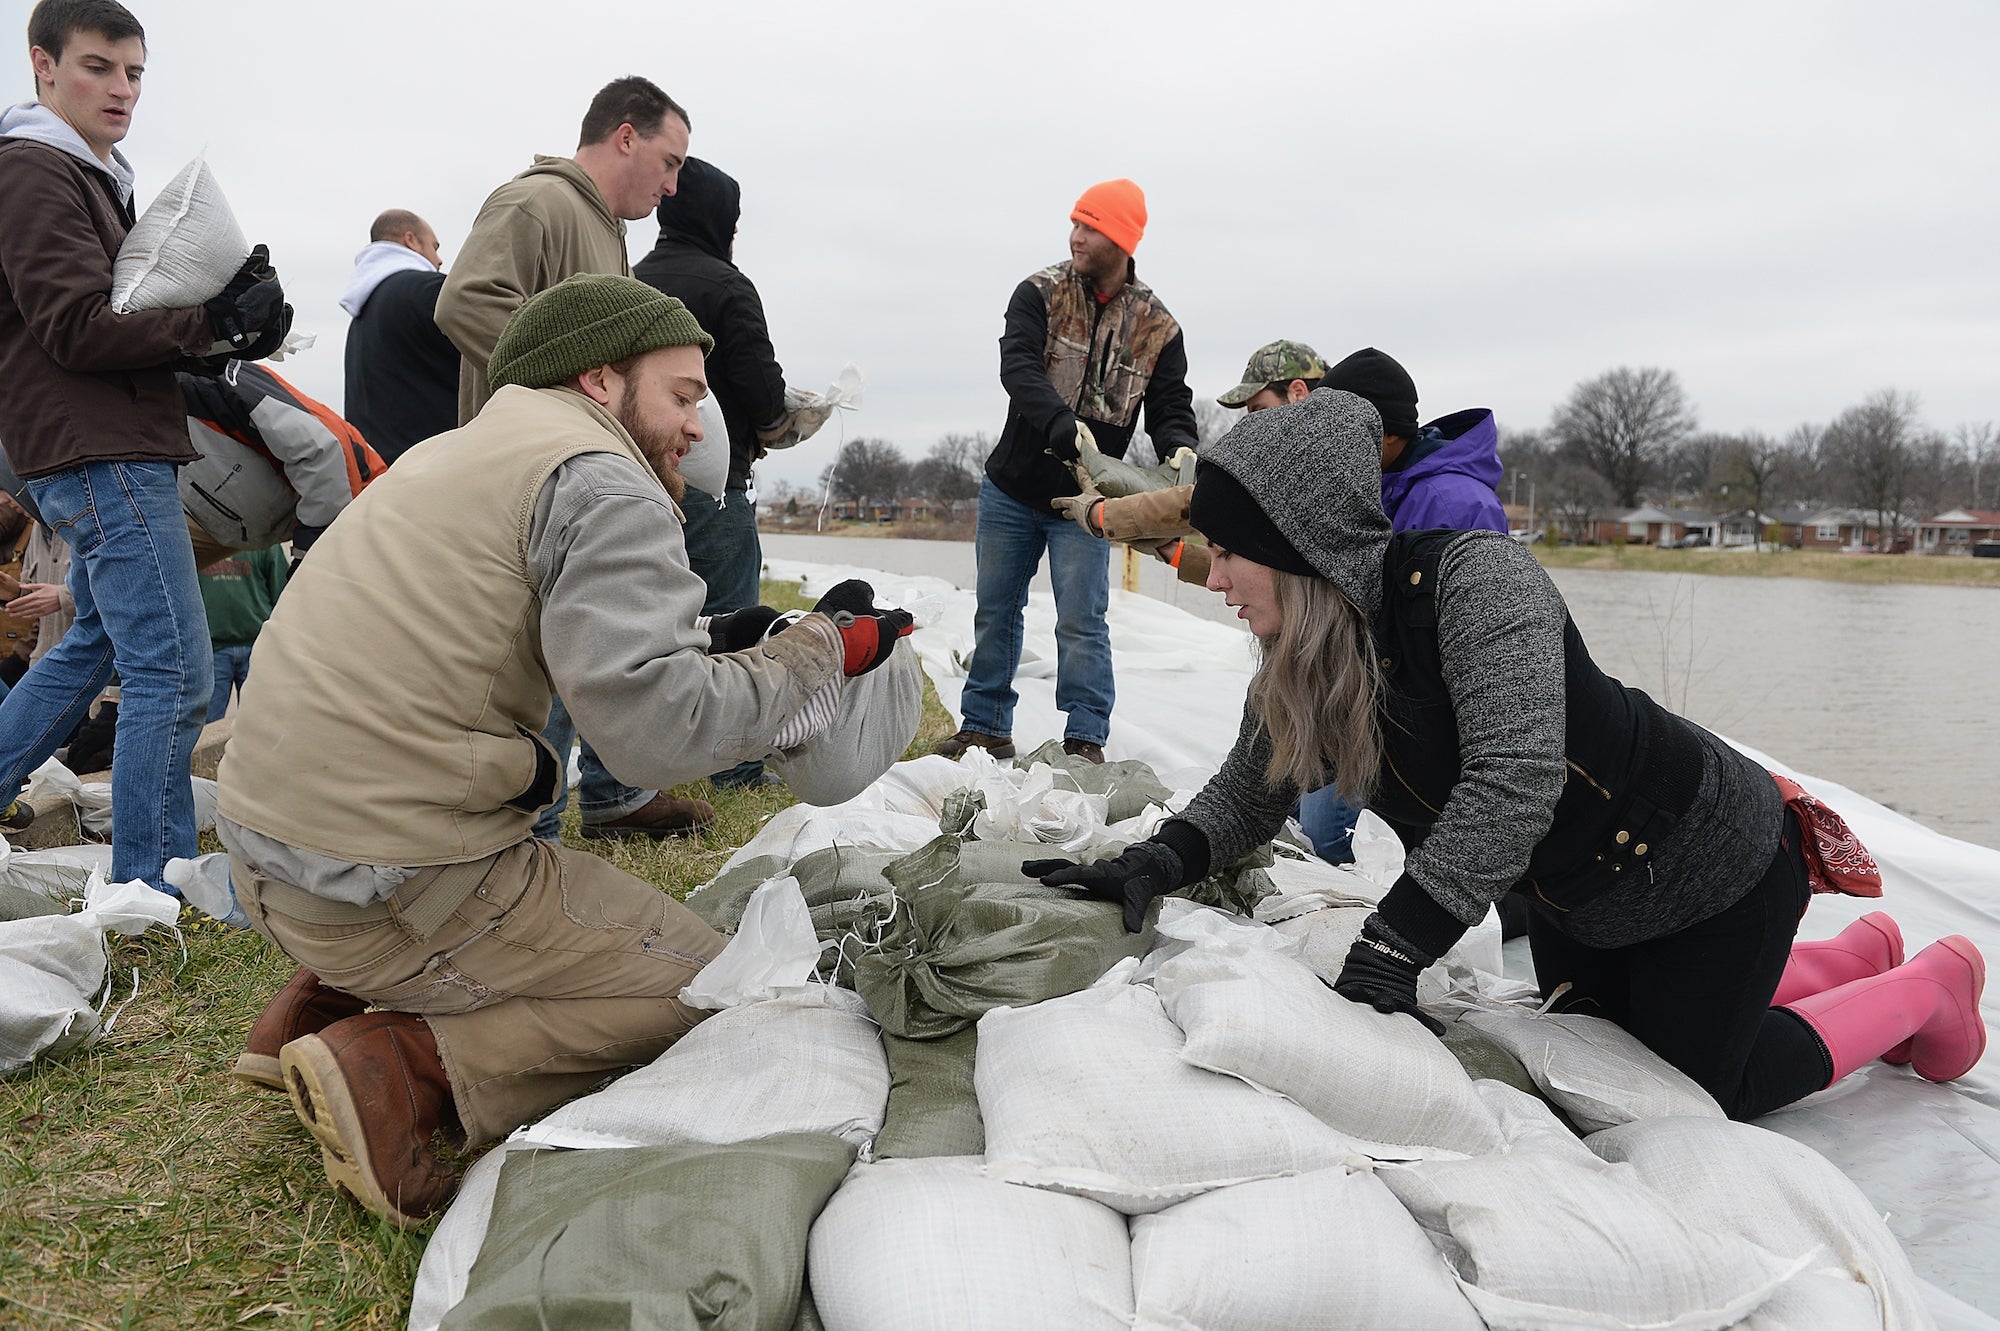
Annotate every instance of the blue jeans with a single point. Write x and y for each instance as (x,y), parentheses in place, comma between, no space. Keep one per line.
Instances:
(1008,545)
(232,667)
(138,608)
(1329,821)
(723,549)
(603,797)
(724,552)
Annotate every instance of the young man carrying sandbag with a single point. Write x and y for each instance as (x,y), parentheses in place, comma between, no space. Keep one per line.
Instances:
(93,422)
(378,805)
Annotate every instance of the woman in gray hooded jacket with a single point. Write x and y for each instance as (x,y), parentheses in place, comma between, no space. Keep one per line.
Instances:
(1437,675)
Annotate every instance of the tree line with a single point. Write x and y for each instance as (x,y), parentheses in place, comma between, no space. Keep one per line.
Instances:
(1625,437)
(1630,435)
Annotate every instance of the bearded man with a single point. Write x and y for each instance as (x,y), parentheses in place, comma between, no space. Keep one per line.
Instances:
(387,764)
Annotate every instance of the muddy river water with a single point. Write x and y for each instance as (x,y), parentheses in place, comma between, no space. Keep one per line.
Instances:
(1893,691)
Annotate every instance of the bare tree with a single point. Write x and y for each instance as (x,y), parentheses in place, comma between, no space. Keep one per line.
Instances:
(950,474)
(1578,497)
(869,472)
(1753,463)
(1527,459)
(1870,449)
(1694,467)
(1804,468)
(1622,423)
(1981,445)
(1212,420)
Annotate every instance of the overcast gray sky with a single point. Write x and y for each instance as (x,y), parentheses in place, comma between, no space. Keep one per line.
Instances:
(1791,204)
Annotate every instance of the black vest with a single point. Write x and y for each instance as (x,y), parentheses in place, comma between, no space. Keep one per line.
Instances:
(1631,767)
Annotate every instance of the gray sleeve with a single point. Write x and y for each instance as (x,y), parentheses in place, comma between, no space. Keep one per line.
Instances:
(1238,810)
(310,455)
(618,632)
(1500,634)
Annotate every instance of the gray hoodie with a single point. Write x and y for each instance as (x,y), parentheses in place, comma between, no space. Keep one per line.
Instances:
(33,121)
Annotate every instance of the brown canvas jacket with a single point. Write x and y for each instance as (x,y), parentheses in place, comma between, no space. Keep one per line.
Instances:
(81,384)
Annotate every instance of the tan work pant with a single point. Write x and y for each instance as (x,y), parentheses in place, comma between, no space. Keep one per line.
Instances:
(556,970)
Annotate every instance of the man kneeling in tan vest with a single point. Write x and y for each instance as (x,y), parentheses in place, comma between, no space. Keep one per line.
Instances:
(387,764)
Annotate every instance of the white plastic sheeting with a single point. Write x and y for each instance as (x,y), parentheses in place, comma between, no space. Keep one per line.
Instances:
(53,987)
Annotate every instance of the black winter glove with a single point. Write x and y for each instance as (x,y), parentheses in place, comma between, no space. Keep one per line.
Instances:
(740,630)
(250,314)
(854,596)
(1383,975)
(1145,872)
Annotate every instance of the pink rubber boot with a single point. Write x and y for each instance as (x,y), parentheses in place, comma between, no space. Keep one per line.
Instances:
(1932,1001)
(1869,946)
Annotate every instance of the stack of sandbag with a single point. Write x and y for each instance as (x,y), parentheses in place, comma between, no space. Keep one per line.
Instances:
(710,1165)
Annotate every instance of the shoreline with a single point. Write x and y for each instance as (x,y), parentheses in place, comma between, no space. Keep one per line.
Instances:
(1818,565)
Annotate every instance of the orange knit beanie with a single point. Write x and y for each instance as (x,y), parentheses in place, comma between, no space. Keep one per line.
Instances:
(1117,208)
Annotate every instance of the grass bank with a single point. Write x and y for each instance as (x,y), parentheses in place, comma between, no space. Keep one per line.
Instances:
(1827,566)
(143,1186)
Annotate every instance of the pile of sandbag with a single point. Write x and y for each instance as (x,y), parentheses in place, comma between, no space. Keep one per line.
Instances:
(1056,1124)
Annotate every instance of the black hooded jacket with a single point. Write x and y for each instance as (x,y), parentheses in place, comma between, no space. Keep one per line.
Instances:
(691,262)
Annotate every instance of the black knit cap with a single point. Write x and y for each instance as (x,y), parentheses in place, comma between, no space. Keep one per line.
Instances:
(1223,511)
(1378,377)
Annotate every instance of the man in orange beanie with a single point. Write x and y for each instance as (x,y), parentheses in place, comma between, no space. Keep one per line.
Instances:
(1086,345)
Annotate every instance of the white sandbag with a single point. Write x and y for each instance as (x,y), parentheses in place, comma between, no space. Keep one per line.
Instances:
(1820,1300)
(807,1062)
(58,873)
(1528,1124)
(52,969)
(705,466)
(1039,803)
(183,250)
(454,1245)
(1089,1094)
(204,883)
(1325,1251)
(52,783)
(1596,1070)
(878,717)
(1743,1180)
(810,410)
(1540,1240)
(773,952)
(921,1245)
(1379,1078)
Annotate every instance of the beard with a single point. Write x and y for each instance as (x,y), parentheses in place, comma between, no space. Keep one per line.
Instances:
(661,447)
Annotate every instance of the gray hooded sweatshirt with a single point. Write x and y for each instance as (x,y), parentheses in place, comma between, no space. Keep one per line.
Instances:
(1314,469)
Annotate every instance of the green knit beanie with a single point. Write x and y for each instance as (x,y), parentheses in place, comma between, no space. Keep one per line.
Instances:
(586,321)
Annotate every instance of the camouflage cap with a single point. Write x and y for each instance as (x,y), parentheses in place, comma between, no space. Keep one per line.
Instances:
(1277,362)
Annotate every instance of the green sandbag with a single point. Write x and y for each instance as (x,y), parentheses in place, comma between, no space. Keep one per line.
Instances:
(933,1109)
(839,884)
(1128,785)
(1483,1059)
(18,903)
(1117,477)
(955,947)
(668,1238)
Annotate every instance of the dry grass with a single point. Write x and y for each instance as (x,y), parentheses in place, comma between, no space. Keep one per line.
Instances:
(142,1186)
(1826,566)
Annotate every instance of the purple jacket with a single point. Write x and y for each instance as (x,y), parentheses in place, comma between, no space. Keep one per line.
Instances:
(1450,478)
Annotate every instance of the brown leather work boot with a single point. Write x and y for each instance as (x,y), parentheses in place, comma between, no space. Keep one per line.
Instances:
(373,1091)
(1000,746)
(303,1007)
(1084,749)
(661,817)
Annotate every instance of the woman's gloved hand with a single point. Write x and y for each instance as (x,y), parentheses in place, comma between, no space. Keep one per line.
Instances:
(740,630)
(1147,871)
(1383,974)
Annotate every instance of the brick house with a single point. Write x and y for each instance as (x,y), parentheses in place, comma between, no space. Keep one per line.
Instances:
(1956,532)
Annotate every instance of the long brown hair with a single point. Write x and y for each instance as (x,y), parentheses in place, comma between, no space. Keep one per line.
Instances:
(1316,689)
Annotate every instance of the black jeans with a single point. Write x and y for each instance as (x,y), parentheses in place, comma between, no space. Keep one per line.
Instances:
(1701,998)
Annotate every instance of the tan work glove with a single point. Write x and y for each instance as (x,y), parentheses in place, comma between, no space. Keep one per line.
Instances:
(1081,509)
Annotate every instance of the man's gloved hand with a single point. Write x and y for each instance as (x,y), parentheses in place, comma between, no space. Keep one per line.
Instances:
(870,638)
(1383,975)
(854,596)
(1145,872)
(740,630)
(250,316)
(1081,509)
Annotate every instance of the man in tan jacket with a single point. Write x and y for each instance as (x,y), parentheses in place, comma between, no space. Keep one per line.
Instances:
(560,217)
(385,769)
